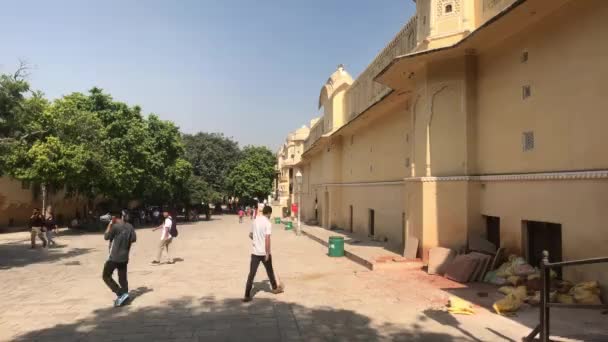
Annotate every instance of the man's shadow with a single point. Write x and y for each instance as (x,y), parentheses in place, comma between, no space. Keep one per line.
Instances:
(261,286)
(138,292)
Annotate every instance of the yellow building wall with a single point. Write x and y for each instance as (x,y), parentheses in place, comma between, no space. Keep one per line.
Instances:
(437,213)
(567,72)
(578,205)
(16,204)
(387,201)
(378,150)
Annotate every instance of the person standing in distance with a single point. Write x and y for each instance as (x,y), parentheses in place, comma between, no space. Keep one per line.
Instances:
(36,224)
(121,235)
(261,229)
(165,238)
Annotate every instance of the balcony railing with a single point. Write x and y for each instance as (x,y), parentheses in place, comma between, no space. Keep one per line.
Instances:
(542,328)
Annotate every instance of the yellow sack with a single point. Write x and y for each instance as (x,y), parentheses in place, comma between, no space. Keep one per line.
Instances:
(506,290)
(521,292)
(564,298)
(586,293)
(514,280)
(507,305)
(460,306)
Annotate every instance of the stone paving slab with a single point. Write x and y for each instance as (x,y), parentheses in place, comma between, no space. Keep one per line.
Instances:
(58,294)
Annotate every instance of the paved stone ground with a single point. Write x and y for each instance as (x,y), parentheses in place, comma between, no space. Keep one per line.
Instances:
(58,294)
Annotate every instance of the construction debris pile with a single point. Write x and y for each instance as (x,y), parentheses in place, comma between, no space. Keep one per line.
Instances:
(519,281)
(482,257)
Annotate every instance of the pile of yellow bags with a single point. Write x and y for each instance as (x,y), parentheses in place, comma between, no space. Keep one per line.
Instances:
(512,301)
(460,306)
(586,293)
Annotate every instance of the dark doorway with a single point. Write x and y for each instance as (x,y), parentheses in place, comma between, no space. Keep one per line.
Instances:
(372,222)
(544,236)
(350,219)
(290,181)
(493,230)
(403,228)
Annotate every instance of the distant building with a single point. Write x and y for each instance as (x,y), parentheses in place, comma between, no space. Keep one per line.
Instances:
(480,118)
(288,155)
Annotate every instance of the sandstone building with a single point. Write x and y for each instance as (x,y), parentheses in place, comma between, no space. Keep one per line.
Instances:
(481,117)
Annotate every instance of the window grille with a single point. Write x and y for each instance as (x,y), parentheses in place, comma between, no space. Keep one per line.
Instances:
(528,141)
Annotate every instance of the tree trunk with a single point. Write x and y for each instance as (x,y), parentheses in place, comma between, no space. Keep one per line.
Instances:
(43,187)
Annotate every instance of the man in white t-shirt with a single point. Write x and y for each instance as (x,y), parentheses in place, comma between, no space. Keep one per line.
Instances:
(165,238)
(260,236)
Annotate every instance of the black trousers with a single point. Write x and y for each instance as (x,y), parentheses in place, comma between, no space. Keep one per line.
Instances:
(253,268)
(108,270)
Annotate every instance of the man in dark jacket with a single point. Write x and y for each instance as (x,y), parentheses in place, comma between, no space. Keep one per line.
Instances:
(121,235)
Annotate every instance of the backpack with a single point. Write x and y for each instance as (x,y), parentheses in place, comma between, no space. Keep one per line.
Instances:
(173,231)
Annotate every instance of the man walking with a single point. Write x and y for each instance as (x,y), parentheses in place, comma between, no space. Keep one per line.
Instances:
(121,235)
(36,224)
(261,230)
(165,238)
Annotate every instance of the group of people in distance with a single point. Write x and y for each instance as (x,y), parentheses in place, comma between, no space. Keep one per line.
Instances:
(251,212)
(121,235)
(43,226)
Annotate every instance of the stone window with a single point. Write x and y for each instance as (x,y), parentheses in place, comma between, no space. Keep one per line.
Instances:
(446,7)
(526,92)
(528,141)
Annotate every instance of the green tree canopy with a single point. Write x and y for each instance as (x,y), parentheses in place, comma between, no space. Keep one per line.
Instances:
(253,175)
(95,146)
(213,156)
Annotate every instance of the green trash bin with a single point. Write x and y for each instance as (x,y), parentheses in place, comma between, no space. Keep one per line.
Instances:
(277,220)
(288,225)
(336,246)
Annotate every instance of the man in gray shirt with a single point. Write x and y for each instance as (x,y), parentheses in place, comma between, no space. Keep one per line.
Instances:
(121,235)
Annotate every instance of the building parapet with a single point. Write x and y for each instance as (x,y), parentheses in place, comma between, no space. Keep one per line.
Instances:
(364,92)
(316,132)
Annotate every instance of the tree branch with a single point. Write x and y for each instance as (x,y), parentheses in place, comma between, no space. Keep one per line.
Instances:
(22,71)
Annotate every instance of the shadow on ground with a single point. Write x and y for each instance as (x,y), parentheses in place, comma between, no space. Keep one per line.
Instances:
(577,324)
(209,319)
(19,254)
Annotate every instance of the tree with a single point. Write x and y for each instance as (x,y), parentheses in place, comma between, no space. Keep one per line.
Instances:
(15,110)
(168,172)
(94,146)
(253,175)
(62,151)
(212,156)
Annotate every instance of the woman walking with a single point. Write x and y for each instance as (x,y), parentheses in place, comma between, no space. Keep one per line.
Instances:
(51,226)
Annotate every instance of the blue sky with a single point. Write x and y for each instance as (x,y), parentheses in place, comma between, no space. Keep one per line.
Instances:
(251,69)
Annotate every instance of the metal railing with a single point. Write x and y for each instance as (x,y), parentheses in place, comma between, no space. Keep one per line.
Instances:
(546,305)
